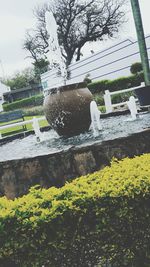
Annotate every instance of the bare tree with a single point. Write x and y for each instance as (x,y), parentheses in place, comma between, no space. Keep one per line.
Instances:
(79,22)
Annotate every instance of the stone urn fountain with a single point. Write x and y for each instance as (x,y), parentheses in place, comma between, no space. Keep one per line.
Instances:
(67,109)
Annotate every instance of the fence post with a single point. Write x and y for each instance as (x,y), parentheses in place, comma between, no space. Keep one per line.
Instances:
(1,107)
(107,100)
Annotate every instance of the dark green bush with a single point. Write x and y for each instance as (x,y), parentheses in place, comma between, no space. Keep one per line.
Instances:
(87,79)
(136,68)
(99,99)
(99,86)
(116,84)
(123,83)
(101,217)
(118,98)
(26,102)
(33,111)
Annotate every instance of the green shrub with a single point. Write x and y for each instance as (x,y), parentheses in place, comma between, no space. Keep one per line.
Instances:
(102,109)
(98,217)
(26,102)
(123,83)
(118,98)
(87,79)
(116,84)
(33,111)
(99,99)
(115,98)
(99,86)
(136,68)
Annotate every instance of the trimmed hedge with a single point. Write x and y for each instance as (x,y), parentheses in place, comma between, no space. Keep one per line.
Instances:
(116,84)
(115,98)
(100,217)
(36,100)
(99,86)
(33,111)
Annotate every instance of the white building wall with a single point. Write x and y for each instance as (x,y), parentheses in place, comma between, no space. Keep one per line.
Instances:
(3,89)
(110,63)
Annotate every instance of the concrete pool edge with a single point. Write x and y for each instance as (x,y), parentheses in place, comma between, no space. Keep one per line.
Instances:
(54,169)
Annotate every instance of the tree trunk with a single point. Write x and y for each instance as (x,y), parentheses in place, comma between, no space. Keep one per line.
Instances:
(78,54)
(69,59)
(68,62)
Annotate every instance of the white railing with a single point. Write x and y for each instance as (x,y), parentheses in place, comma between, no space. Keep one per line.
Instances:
(1,102)
(22,123)
(107,97)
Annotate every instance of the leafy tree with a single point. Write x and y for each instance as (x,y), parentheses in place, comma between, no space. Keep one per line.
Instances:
(79,22)
(40,66)
(21,79)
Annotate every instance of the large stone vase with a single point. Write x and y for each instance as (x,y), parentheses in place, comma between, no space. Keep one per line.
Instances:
(67,109)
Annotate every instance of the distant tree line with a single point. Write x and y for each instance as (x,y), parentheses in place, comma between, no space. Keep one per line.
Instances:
(21,79)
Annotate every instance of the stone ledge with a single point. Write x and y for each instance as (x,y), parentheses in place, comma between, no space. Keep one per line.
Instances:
(17,176)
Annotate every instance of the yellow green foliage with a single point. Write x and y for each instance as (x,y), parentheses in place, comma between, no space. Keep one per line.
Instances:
(98,217)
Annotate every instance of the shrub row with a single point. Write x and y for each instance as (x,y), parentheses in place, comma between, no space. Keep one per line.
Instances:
(26,102)
(116,84)
(115,98)
(100,217)
(33,111)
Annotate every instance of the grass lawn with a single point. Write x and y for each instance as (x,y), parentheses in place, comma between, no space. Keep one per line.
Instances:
(19,129)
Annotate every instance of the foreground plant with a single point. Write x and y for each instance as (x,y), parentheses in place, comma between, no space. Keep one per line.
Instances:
(98,218)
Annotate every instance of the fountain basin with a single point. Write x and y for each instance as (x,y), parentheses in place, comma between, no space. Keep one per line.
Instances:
(57,159)
(67,109)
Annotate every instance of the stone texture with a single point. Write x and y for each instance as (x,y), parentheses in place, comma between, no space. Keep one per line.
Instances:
(85,163)
(17,176)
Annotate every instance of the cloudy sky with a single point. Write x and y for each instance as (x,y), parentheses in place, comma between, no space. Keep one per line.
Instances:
(17,15)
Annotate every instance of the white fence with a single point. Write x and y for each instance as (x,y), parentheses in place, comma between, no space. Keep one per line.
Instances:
(3,89)
(107,98)
(1,103)
(22,123)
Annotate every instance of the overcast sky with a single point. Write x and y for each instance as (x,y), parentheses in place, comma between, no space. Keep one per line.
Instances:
(17,15)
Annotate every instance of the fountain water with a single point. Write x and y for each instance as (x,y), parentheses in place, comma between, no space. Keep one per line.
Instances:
(95,118)
(132,107)
(51,142)
(36,129)
(54,53)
